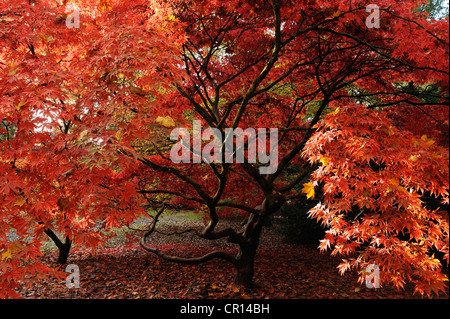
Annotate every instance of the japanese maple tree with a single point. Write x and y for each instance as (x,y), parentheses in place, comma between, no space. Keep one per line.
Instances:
(306,60)
(51,180)
(92,109)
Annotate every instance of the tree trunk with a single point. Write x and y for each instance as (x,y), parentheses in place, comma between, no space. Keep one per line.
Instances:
(252,232)
(245,267)
(64,250)
(246,257)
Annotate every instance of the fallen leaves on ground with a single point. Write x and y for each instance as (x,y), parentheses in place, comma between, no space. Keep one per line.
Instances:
(282,271)
(129,272)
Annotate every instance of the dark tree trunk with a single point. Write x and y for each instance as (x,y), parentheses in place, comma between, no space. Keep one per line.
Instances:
(248,240)
(252,232)
(246,257)
(64,248)
(245,267)
(64,251)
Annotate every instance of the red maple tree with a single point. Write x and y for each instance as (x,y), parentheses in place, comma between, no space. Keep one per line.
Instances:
(87,113)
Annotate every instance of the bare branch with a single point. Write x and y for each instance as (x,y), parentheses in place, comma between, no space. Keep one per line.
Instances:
(236,205)
(180,175)
(191,260)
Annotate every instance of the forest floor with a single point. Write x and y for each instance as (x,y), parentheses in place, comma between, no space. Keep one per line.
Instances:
(122,270)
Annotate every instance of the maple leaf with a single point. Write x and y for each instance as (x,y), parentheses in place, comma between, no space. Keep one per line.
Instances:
(427,140)
(308,189)
(20,201)
(325,161)
(6,255)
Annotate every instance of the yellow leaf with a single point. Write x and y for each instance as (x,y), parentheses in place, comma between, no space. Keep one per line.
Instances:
(6,255)
(119,135)
(427,140)
(171,18)
(325,161)
(105,5)
(308,189)
(19,201)
(82,135)
(413,158)
(55,183)
(7,19)
(390,131)
(165,121)
(335,15)
(21,103)
(236,289)
(394,182)
(50,39)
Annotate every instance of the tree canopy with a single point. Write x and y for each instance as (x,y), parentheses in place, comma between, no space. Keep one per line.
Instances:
(362,112)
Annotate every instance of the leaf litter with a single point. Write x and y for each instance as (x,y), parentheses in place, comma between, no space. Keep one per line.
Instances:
(282,271)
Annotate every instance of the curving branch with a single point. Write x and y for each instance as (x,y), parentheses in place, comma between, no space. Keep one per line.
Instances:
(178,259)
(198,188)
(191,260)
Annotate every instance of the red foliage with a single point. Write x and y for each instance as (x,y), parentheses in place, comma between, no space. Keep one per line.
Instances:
(381,172)
(86,114)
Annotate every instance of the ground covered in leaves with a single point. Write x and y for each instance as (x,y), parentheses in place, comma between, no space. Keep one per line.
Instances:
(282,271)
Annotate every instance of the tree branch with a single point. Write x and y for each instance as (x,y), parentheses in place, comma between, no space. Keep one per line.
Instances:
(191,260)
(177,259)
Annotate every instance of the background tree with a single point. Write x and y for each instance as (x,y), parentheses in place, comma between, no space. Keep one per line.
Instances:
(51,180)
(437,9)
